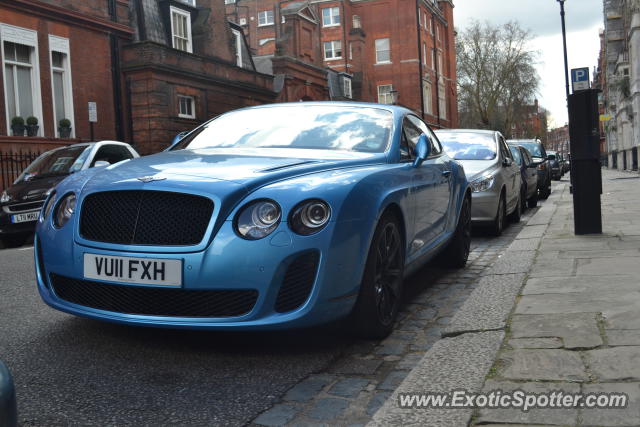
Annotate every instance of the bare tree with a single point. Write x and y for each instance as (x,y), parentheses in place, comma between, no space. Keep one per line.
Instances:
(496,75)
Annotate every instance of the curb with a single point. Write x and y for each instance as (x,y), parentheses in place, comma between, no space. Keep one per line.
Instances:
(463,357)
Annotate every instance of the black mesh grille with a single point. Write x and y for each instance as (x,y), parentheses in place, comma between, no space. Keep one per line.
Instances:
(145,217)
(25,206)
(297,283)
(154,301)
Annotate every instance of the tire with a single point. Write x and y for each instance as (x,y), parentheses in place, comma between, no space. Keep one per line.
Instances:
(380,295)
(498,223)
(457,253)
(544,194)
(533,200)
(517,211)
(523,198)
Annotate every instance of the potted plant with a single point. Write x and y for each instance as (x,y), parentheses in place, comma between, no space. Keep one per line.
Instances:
(32,126)
(17,126)
(64,128)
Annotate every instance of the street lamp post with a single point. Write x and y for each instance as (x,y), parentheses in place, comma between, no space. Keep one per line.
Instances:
(564,45)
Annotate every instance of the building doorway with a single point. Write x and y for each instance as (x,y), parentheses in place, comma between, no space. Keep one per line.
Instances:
(614,160)
(624,160)
(634,158)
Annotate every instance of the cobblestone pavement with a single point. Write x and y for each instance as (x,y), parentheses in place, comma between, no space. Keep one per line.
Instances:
(357,383)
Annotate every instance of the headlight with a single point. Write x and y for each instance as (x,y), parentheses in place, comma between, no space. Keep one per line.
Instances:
(47,207)
(482,184)
(309,217)
(5,197)
(65,210)
(258,219)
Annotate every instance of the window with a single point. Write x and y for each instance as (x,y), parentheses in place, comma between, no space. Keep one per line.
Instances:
(229,1)
(61,82)
(243,21)
(262,42)
(346,82)
(333,50)
(442,99)
(181,29)
(265,18)
(21,74)
(424,53)
(238,42)
(330,16)
(186,107)
(192,2)
(383,51)
(436,148)
(428,97)
(438,32)
(384,94)
(111,153)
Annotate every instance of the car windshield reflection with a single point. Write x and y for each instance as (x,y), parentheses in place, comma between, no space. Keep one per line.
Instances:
(468,145)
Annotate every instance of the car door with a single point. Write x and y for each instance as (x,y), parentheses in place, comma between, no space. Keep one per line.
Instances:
(422,193)
(443,185)
(530,171)
(511,174)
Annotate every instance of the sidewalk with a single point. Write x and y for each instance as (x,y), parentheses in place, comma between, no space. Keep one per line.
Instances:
(556,312)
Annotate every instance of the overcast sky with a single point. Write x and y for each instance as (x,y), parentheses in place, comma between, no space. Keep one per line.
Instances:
(583,19)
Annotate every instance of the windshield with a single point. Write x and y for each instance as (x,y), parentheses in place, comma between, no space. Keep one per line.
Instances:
(312,127)
(468,145)
(533,148)
(53,163)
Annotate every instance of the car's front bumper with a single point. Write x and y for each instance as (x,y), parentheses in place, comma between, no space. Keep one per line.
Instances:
(227,263)
(9,228)
(484,205)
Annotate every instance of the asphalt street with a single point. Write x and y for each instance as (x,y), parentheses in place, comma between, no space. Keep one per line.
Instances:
(73,371)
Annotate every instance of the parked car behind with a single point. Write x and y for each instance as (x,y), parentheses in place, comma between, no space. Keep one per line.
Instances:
(539,155)
(529,175)
(492,174)
(20,204)
(555,164)
(270,217)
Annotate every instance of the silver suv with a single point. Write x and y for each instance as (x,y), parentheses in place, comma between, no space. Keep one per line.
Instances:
(493,175)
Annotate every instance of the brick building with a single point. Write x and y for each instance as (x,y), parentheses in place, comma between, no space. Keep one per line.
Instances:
(382,50)
(56,58)
(533,123)
(558,140)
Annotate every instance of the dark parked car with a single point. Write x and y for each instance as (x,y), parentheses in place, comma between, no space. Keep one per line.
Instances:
(556,165)
(539,156)
(20,204)
(529,174)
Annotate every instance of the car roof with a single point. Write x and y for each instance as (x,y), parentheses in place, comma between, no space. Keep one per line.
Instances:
(481,131)
(393,108)
(521,141)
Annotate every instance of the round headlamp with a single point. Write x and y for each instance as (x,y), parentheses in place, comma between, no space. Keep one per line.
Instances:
(309,217)
(258,219)
(65,209)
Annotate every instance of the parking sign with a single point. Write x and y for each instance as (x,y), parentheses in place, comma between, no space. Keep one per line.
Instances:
(580,79)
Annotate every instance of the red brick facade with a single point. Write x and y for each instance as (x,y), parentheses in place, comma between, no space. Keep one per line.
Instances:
(81,31)
(418,34)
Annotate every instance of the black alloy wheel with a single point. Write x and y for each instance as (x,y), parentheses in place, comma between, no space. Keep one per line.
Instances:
(381,289)
(517,211)
(498,223)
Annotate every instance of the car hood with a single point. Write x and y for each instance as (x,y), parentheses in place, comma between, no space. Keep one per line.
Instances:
(250,168)
(33,189)
(475,168)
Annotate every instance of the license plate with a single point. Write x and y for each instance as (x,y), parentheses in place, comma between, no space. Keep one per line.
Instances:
(147,271)
(25,217)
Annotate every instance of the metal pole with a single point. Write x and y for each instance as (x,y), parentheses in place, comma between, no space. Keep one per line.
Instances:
(564,44)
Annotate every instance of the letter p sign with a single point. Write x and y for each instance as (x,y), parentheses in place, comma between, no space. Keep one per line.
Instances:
(580,79)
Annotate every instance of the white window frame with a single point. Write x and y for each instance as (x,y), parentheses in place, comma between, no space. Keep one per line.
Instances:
(192,101)
(347,87)
(193,2)
(266,40)
(238,38)
(382,96)
(424,53)
(379,51)
(243,21)
(187,15)
(229,1)
(427,94)
(61,45)
(333,49)
(442,99)
(23,36)
(265,14)
(332,16)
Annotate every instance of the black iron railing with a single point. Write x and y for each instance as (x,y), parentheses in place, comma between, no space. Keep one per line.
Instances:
(12,165)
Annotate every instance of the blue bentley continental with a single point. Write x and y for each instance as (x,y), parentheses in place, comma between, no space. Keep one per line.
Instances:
(270,217)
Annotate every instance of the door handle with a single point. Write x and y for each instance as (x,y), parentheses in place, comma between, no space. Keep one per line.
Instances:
(446,174)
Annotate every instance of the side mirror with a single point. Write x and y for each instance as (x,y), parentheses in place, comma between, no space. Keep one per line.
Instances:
(101,163)
(176,139)
(423,149)
(507,162)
